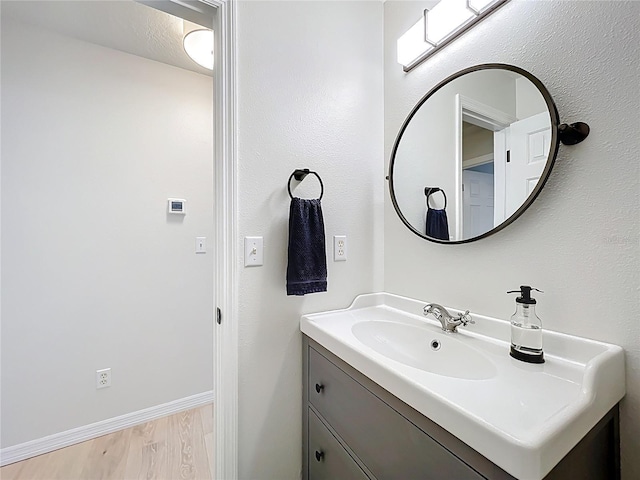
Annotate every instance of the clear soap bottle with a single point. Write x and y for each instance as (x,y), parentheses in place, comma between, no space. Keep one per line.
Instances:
(526,328)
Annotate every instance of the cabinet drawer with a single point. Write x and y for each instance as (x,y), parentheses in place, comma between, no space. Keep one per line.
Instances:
(387,443)
(327,459)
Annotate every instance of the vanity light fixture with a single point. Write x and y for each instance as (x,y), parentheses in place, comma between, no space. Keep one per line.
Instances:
(198,44)
(439,26)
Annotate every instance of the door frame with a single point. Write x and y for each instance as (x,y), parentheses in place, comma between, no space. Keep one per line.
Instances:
(225,381)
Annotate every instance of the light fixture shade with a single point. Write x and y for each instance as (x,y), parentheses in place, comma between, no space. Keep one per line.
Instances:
(445,18)
(411,45)
(446,21)
(199,46)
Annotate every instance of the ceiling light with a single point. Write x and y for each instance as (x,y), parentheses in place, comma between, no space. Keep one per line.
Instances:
(199,46)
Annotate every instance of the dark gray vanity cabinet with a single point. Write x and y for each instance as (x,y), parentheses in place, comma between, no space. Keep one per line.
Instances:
(354,429)
(327,459)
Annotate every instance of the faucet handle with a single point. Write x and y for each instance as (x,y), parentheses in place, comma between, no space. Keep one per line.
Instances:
(465,319)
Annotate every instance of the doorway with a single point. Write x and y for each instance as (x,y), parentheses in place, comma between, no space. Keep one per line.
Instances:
(478,180)
(98,227)
(481,146)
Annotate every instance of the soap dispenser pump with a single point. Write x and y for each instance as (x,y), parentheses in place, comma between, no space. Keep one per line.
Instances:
(526,328)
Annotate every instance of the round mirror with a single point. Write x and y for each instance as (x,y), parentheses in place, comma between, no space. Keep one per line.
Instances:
(473,154)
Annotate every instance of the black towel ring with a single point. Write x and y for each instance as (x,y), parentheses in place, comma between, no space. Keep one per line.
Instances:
(299,175)
(428,191)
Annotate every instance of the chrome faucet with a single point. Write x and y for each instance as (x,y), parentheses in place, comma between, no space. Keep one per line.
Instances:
(448,321)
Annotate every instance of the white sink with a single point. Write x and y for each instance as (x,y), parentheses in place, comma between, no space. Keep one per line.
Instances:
(523,417)
(419,346)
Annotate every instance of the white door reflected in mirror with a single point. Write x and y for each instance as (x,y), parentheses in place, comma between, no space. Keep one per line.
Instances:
(529,141)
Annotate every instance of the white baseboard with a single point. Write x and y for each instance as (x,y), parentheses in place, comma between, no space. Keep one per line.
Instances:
(53,442)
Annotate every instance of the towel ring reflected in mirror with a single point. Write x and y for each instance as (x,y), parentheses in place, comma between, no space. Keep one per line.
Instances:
(488,135)
(428,191)
(299,174)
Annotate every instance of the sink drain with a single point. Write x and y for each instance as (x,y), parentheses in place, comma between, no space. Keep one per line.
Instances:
(435,344)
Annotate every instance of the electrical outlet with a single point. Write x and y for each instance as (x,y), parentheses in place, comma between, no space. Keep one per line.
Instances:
(103,378)
(339,248)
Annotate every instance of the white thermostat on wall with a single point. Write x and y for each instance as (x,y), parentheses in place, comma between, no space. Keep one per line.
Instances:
(177,205)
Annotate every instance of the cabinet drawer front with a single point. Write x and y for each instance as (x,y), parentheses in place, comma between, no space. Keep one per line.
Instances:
(327,459)
(387,443)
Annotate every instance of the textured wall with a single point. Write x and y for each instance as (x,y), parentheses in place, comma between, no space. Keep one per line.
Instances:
(580,241)
(310,95)
(94,273)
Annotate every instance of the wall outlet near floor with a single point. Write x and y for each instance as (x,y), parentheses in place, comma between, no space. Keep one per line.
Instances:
(103,378)
(339,248)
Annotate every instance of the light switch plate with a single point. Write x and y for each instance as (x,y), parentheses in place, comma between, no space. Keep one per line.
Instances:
(253,252)
(201,244)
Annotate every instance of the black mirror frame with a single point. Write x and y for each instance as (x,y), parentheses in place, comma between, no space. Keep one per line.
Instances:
(553,150)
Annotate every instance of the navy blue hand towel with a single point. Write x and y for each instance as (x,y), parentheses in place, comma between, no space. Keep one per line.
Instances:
(307,266)
(437,224)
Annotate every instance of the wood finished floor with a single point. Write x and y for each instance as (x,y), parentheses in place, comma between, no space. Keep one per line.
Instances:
(170,448)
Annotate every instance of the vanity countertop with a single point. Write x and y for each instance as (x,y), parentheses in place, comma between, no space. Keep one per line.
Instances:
(523,417)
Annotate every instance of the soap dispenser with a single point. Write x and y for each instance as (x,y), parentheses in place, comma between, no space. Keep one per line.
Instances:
(526,328)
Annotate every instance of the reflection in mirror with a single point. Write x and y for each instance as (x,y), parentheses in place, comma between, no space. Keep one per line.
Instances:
(478,212)
(485,137)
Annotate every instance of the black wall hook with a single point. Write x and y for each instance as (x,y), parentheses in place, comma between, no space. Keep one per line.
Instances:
(573,133)
(299,174)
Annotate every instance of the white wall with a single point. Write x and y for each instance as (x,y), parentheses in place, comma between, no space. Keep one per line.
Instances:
(310,95)
(94,272)
(580,240)
(529,100)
